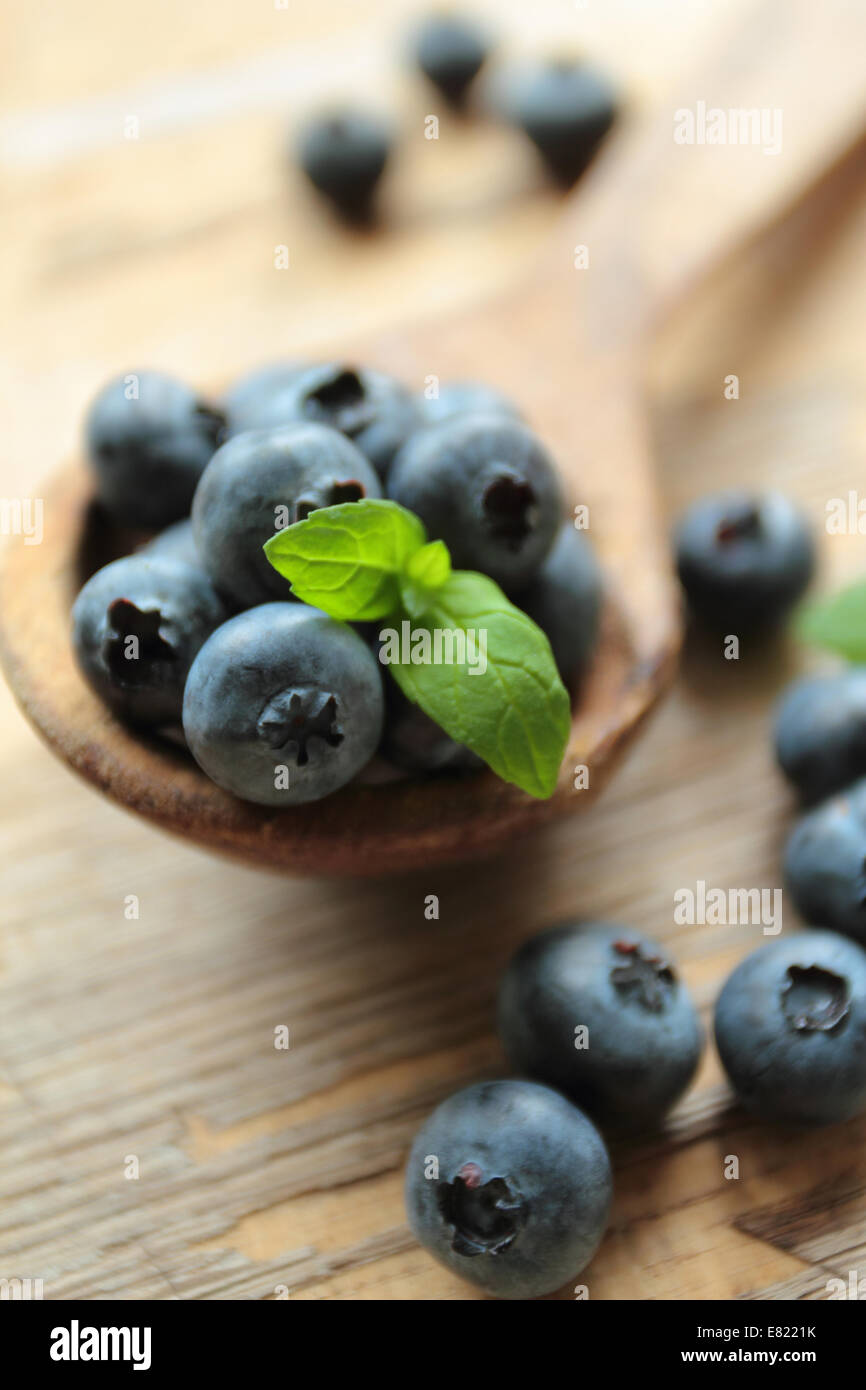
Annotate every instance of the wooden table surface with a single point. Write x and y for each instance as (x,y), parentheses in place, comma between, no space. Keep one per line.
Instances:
(146,1045)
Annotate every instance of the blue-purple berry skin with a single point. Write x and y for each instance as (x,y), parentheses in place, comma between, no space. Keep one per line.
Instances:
(825,863)
(372,409)
(450,51)
(255,396)
(509,1185)
(791,1029)
(415,743)
(175,542)
(344,154)
(465,398)
(820,733)
(566,108)
(283,705)
(489,489)
(565,600)
(598,1011)
(137,625)
(260,481)
(149,439)
(743,559)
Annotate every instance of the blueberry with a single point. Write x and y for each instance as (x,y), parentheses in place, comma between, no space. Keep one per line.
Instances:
(413,742)
(509,1185)
(370,407)
(149,438)
(450,51)
(564,599)
(250,399)
(344,156)
(820,732)
(825,863)
(640,1040)
(261,481)
(566,109)
(283,705)
(465,398)
(137,625)
(791,1029)
(488,488)
(176,542)
(743,560)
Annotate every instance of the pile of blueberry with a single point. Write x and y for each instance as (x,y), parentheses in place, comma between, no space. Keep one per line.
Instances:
(744,561)
(563,106)
(197,629)
(790,1024)
(509,1183)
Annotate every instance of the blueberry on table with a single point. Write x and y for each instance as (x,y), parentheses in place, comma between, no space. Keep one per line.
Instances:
(564,599)
(791,1029)
(509,1185)
(136,626)
(344,156)
(371,408)
(283,705)
(599,1012)
(488,488)
(465,398)
(820,732)
(149,439)
(261,481)
(825,863)
(566,108)
(743,560)
(249,400)
(450,52)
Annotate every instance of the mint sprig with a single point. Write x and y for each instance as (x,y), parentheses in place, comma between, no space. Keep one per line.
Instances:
(504,699)
(837,623)
(349,560)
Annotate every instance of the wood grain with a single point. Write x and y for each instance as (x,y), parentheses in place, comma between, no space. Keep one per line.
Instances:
(154,1036)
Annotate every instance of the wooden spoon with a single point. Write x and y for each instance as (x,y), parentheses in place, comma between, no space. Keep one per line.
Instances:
(570,345)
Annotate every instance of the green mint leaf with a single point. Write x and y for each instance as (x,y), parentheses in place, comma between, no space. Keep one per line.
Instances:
(476,664)
(837,623)
(516,713)
(348,559)
(430,567)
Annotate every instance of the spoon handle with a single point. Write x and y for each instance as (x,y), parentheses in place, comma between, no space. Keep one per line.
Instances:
(739,141)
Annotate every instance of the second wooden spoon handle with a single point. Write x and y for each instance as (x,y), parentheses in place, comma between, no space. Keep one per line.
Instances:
(778,102)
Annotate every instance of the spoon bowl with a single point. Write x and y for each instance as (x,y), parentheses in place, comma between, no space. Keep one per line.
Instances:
(369,827)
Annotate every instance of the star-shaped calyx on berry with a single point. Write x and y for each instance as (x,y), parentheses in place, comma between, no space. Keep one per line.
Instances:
(509,508)
(134,642)
(814,1000)
(486,1216)
(294,717)
(647,979)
